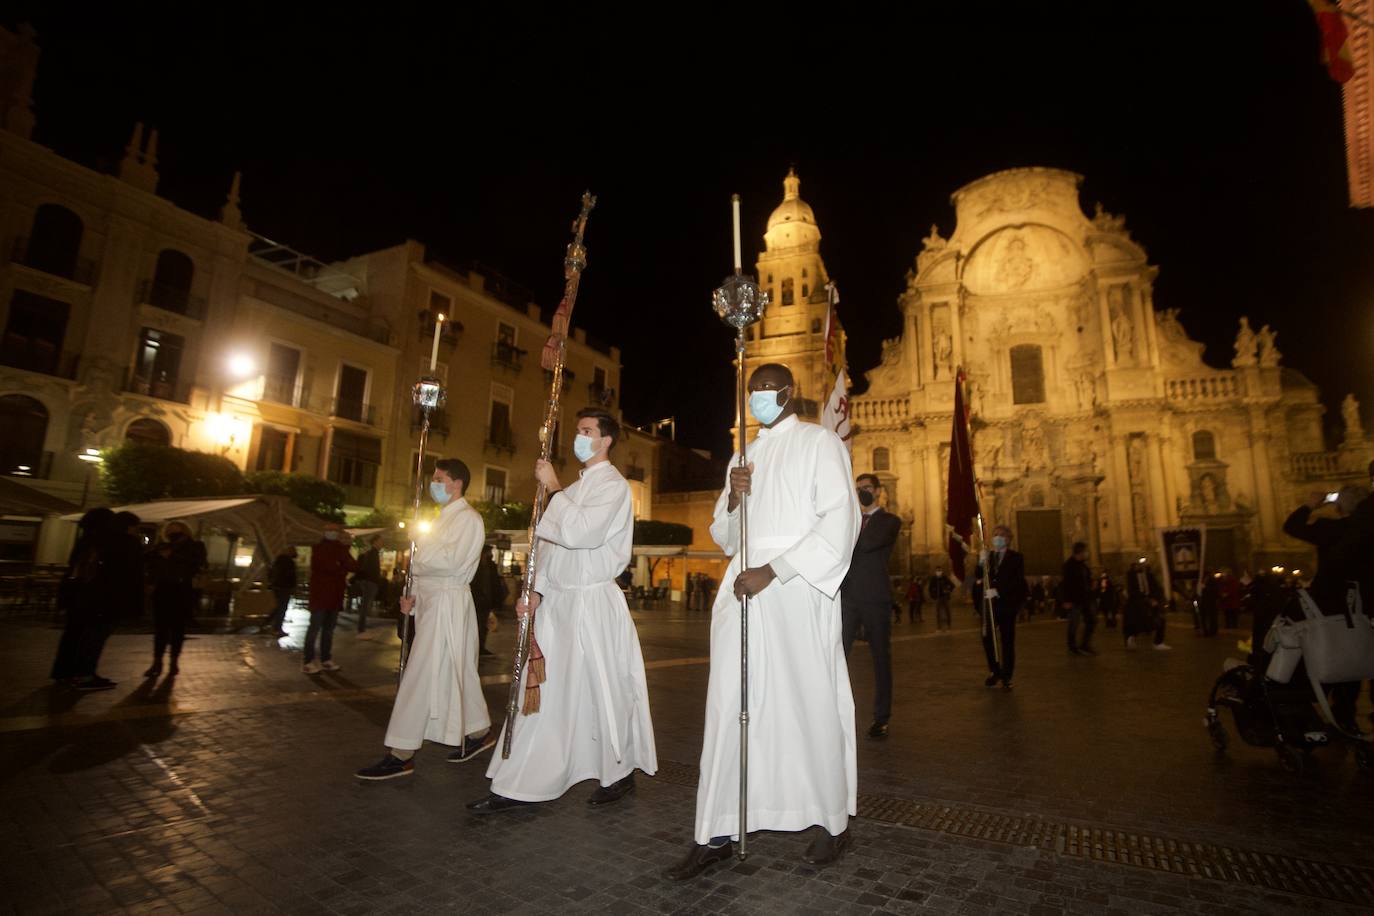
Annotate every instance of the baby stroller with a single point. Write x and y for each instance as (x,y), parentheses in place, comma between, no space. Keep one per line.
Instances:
(1272,698)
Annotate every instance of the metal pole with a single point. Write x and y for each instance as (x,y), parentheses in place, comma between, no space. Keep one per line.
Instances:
(428,395)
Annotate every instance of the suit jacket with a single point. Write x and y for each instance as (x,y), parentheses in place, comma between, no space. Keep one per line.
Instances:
(867,581)
(1008,577)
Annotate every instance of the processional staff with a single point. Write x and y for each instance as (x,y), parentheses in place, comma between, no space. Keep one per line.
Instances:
(739,302)
(552,359)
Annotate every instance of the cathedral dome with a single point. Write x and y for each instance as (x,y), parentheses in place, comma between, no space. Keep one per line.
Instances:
(792,222)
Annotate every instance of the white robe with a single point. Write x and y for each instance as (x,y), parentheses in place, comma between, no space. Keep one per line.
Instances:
(803,520)
(593,721)
(440,697)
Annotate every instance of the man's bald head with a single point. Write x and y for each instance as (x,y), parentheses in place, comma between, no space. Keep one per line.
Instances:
(773,376)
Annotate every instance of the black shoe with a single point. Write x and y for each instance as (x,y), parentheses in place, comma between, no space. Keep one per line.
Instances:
(825,849)
(95,682)
(991,680)
(494,804)
(604,795)
(698,860)
(877,731)
(154,670)
(1088,650)
(1073,651)
(1006,683)
(472,747)
(389,767)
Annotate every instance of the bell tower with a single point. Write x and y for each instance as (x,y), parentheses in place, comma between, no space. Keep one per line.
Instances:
(790,269)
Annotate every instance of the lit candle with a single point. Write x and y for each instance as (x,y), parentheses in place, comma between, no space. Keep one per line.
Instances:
(434,353)
(734,204)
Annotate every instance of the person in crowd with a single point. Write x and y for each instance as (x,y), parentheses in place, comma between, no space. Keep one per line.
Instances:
(330,563)
(1209,603)
(866,594)
(366,582)
(915,599)
(1144,606)
(1229,591)
(488,596)
(282,580)
(1076,599)
(172,566)
(941,590)
(81,596)
(1007,589)
(1039,593)
(1108,599)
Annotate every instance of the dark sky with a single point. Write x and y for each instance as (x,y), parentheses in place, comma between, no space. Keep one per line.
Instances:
(1213,129)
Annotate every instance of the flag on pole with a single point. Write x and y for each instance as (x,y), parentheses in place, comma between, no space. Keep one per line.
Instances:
(962,499)
(1336,56)
(835,414)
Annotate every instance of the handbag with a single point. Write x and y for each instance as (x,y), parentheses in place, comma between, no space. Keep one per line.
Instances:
(1338,648)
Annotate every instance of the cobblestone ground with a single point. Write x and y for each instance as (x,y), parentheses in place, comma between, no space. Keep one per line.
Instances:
(230,790)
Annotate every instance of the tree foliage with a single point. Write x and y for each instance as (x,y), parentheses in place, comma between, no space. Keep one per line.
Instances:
(503,516)
(314,495)
(137,472)
(649,532)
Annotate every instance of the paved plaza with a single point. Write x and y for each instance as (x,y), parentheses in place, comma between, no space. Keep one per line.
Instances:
(1090,788)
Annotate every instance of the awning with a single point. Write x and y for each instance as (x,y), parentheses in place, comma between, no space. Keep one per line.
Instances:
(20,499)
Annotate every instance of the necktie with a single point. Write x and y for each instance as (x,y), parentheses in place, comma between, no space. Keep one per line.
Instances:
(864,524)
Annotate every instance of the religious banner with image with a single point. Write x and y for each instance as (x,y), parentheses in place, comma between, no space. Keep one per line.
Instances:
(1184,556)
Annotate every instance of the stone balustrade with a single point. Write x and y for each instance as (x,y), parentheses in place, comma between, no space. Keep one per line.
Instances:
(1315,464)
(878,411)
(1204,388)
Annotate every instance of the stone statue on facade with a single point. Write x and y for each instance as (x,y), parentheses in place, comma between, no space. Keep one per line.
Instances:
(1350,413)
(944,352)
(1016,267)
(934,242)
(1207,492)
(1123,338)
(1246,345)
(1106,222)
(1033,447)
(1268,353)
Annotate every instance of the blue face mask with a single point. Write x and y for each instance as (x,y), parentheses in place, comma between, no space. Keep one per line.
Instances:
(999,543)
(584,447)
(438,492)
(765,407)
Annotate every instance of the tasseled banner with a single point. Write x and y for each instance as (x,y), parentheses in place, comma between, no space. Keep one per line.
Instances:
(534,676)
(549,356)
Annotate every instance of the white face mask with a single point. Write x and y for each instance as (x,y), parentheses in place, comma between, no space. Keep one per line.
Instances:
(764,405)
(438,492)
(584,447)
(999,543)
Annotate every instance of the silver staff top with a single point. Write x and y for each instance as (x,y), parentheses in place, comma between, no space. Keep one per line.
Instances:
(739,302)
(428,393)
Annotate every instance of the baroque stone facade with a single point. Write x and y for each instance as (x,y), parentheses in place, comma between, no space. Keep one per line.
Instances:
(1095,418)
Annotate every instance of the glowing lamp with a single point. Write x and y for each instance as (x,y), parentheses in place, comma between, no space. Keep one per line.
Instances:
(241,365)
(90,454)
(424,527)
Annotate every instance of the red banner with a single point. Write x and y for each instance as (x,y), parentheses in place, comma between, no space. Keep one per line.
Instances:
(962,499)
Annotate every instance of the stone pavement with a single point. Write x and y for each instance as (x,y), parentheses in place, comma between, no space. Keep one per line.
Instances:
(229,790)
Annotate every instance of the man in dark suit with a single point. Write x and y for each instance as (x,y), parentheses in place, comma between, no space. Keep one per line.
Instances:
(866,596)
(1008,591)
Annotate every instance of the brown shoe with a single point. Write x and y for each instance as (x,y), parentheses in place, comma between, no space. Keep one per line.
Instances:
(826,849)
(698,860)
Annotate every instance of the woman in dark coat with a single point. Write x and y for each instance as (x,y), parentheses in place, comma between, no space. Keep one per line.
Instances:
(78,594)
(172,566)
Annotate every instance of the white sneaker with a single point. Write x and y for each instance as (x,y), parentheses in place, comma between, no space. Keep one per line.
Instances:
(331,666)
(1163,647)
(311,668)
(1130,642)
(365,634)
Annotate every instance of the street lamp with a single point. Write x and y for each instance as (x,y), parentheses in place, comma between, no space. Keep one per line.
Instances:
(241,365)
(92,457)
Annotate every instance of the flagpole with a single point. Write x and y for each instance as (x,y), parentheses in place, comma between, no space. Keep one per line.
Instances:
(989,603)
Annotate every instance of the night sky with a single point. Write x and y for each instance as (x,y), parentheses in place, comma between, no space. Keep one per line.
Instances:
(1218,136)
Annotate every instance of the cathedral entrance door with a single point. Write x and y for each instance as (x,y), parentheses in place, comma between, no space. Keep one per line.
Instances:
(1040,538)
(1220,549)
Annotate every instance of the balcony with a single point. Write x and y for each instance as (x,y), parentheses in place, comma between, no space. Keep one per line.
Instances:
(57,264)
(438,421)
(170,299)
(600,395)
(281,389)
(18,353)
(357,411)
(1315,465)
(163,389)
(453,330)
(1204,388)
(507,356)
(500,439)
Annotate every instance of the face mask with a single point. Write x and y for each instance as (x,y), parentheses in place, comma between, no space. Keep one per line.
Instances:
(331,535)
(764,406)
(438,492)
(999,543)
(865,498)
(584,447)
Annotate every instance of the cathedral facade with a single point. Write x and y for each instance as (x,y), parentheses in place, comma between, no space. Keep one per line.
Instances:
(1094,416)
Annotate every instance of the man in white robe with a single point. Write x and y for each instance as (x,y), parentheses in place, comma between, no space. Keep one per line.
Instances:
(803,522)
(440,697)
(593,719)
